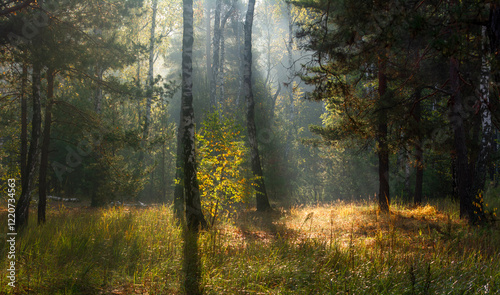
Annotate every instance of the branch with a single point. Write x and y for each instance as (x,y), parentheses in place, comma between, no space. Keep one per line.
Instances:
(16,7)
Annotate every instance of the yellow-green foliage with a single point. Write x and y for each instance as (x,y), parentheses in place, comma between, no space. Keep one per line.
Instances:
(222,173)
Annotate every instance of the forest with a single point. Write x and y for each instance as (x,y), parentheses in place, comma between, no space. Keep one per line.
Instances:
(249,147)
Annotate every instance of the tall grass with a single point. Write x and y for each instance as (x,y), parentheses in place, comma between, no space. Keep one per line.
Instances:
(92,251)
(340,248)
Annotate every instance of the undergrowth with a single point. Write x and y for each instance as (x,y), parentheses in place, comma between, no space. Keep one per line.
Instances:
(338,248)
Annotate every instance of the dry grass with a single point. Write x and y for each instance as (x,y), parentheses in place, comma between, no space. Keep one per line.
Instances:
(339,248)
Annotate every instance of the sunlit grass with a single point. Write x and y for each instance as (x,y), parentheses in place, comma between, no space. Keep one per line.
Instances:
(339,248)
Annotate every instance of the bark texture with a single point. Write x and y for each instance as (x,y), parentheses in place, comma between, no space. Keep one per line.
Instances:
(24,122)
(468,207)
(194,215)
(44,158)
(384,198)
(261,193)
(486,144)
(22,208)
(419,153)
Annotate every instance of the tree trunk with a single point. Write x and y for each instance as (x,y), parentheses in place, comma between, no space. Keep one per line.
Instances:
(179,200)
(221,70)
(468,208)
(24,123)
(44,159)
(261,193)
(487,135)
(417,198)
(237,29)
(208,43)
(223,55)
(215,58)
(163,180)
(98,90)
(22,208)
(291,70)
(194,215)
(139,98)
(149,97)
(273,103)
(384,199)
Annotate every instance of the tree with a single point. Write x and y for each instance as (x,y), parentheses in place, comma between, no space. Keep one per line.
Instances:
(149,92)
(261,193)
(222,172)
(22,208)
(194,214)
(44,157)
(351,53)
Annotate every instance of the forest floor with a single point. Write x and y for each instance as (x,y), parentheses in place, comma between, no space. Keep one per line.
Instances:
(338,248)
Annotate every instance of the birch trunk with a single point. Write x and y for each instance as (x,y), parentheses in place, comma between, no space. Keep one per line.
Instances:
(486,125)
(194,215)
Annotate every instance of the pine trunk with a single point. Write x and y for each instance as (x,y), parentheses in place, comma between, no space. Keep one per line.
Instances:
(24,123)
(44,159)
(98,90)
(417,198)
(261,193)
(384,198)
(468,208)
(22,208)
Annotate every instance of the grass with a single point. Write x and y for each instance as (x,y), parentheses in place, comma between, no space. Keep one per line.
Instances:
(340,248)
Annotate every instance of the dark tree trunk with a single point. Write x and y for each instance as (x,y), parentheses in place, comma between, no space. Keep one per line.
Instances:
(24,123)
(44,159)
(384,198)
(194,214)
(261,193)
(419,179)
(22,208)
(179,176)
(468,208)
(98,90)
